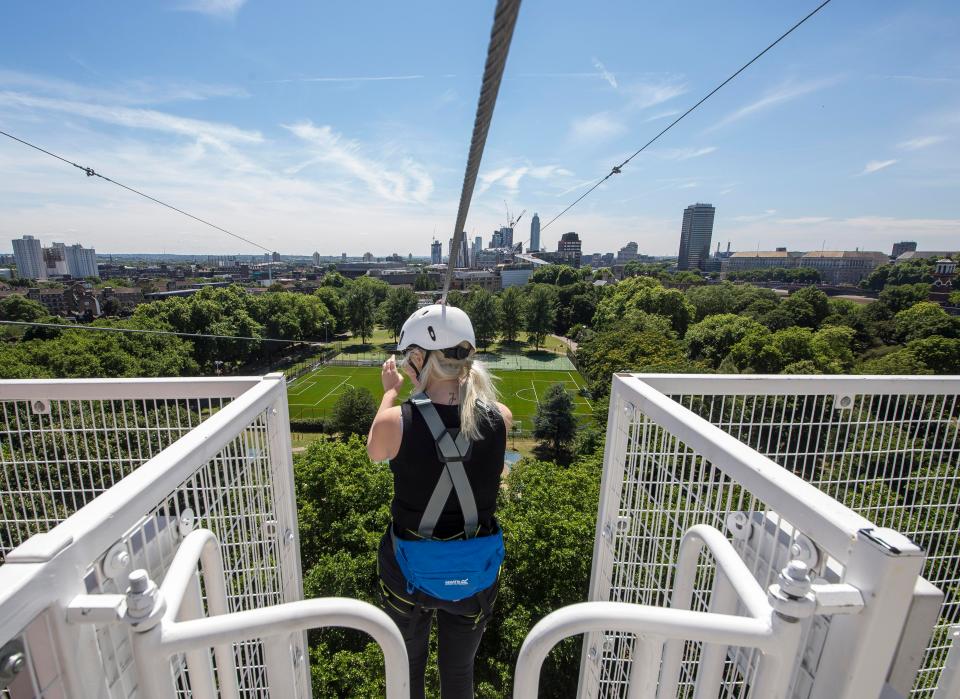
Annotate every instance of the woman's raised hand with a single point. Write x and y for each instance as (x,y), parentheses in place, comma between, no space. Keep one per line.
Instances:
(390,377)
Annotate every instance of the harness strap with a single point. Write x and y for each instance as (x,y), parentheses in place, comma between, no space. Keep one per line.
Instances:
(453,476)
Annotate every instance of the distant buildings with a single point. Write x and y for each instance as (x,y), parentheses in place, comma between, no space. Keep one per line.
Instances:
(627,253)
(902,247)
(59,260)
(568,249)
(534,234)
(316,259)
(436,252)
(924,255)
(835,266)
(476,250)
(463,254)
(695,234)
(28,254)
(275,256)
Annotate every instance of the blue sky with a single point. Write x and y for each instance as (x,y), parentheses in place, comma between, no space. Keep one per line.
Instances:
(343,127)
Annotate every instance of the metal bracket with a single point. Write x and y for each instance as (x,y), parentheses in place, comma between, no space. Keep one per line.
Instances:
(40,406)
(97,609)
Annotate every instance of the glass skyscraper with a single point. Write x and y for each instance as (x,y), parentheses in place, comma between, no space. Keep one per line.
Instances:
(695,235)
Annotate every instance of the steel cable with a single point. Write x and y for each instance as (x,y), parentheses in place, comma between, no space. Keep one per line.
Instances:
(504,21)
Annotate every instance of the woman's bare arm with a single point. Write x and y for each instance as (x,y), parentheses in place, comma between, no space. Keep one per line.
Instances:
(386,432)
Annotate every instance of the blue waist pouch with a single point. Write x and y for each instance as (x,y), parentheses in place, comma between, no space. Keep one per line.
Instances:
(450,570)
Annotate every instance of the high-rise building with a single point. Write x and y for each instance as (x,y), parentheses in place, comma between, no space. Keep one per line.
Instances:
(568,249)
(534,234)
(276,256)
(55,260)
(496,240)
(81,261)
(695,234)
(628,252)
(506,237)
(436,252)
(475,251)
(902,247)
(463,253)
(316,259)
(28,254)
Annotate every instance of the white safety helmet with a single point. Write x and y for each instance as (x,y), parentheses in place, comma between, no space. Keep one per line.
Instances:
(437,327)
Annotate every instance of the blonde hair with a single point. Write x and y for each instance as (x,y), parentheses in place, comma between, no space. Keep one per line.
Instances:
(478,395)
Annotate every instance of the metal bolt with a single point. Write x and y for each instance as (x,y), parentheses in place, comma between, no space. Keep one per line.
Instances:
(288,537)
(274,411)
(139,582)
(795,579)
(11,665)
(592,653)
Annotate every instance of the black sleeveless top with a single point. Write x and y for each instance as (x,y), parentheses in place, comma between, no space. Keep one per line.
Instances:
(416,470)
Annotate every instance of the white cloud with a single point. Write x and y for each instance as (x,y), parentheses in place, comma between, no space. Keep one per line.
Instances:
(597,127)
(803,220)
(408,184)
(213,132)
(877,165)
(684,153)
(921,142)
(358,79)
(215,8)
(689,185)
(127,92)
(510,177)
(644,95)
(662,115)
(785,92)
(605,74)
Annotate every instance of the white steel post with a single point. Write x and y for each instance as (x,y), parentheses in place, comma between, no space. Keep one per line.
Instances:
(619,417)
(202,685)
(280,670)
(884,567)
(949,685)
(288,534)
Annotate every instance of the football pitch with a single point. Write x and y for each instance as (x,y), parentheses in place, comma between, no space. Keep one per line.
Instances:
(314,394)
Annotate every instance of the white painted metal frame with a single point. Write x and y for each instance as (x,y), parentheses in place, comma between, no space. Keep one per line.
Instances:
(883,566)
(41,576)
(661,633)
(173,622)
(893,444)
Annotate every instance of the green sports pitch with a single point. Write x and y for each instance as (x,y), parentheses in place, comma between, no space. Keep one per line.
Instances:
(313,395)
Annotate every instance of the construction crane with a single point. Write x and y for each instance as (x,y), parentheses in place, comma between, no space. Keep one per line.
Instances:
(511,222)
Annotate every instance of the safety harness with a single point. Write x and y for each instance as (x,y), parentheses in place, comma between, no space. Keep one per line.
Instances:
(454,569)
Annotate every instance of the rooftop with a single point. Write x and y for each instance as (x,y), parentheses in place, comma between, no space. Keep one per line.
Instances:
(757,536)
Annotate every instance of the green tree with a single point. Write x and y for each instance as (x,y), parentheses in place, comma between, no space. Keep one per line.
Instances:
(395,310)
(511,312)
(554,425)
(940,354)
(646,295)
(361,310)
(713,337)
(353,412)
(924,319)
(19,307)
(334,302)
(548,515)
(422,282)
(482,309)
(343,507)
(558,275)
(901,362)
(899,298)
(541,312)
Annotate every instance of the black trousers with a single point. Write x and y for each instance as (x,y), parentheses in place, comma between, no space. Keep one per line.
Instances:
(460,626)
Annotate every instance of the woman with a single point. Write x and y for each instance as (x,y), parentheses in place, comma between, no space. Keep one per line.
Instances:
(451,426)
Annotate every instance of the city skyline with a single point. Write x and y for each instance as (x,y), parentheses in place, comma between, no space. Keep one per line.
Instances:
(327,134)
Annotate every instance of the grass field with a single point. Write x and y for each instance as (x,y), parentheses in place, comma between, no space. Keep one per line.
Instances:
(314,394)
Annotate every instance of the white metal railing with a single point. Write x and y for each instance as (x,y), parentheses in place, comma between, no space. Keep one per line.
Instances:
(160,457)
(667,468)
(170,620)
(888,447)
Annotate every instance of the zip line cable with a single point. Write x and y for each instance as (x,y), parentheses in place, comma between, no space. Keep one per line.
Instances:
(615,170)
(138,331)
(504,21)
(90,172)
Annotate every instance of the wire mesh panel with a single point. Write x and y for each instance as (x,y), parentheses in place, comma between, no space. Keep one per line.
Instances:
(58,455)
(891,456)
(235,480)
(656,485)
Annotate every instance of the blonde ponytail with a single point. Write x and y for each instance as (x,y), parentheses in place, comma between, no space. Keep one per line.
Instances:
(478,395)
